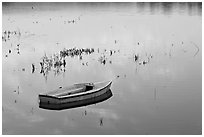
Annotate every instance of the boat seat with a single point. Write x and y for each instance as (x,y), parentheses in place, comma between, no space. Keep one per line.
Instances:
(76,90)
(89,86)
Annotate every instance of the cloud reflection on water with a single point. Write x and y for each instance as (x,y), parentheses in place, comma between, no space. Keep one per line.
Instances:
(162,30)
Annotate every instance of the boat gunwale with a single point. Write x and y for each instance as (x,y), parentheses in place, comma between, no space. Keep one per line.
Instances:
(78,94)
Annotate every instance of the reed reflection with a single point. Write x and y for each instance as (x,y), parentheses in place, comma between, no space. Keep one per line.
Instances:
(168,8)
(57,62)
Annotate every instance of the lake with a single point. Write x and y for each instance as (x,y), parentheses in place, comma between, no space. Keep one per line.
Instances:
(151,51)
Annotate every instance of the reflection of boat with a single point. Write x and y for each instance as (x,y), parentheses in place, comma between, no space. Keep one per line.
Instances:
(75,104)
(75,93)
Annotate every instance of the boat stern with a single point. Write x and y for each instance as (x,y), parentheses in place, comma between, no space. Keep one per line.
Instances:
(48,99)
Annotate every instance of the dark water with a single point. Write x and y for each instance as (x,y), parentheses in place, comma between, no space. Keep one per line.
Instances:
(152,51)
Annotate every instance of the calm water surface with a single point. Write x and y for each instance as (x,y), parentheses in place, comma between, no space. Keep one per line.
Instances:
(152,51)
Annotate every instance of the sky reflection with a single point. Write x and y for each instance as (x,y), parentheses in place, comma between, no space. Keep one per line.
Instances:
(152,51)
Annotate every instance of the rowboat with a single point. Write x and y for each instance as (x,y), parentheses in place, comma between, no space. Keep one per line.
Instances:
(76,104)
(75,93)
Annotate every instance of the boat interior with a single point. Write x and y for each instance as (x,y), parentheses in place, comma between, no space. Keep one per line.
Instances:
(73,90)
(77,88)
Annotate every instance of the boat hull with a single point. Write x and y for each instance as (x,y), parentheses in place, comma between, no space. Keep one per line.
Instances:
(70,99)
(75,104)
